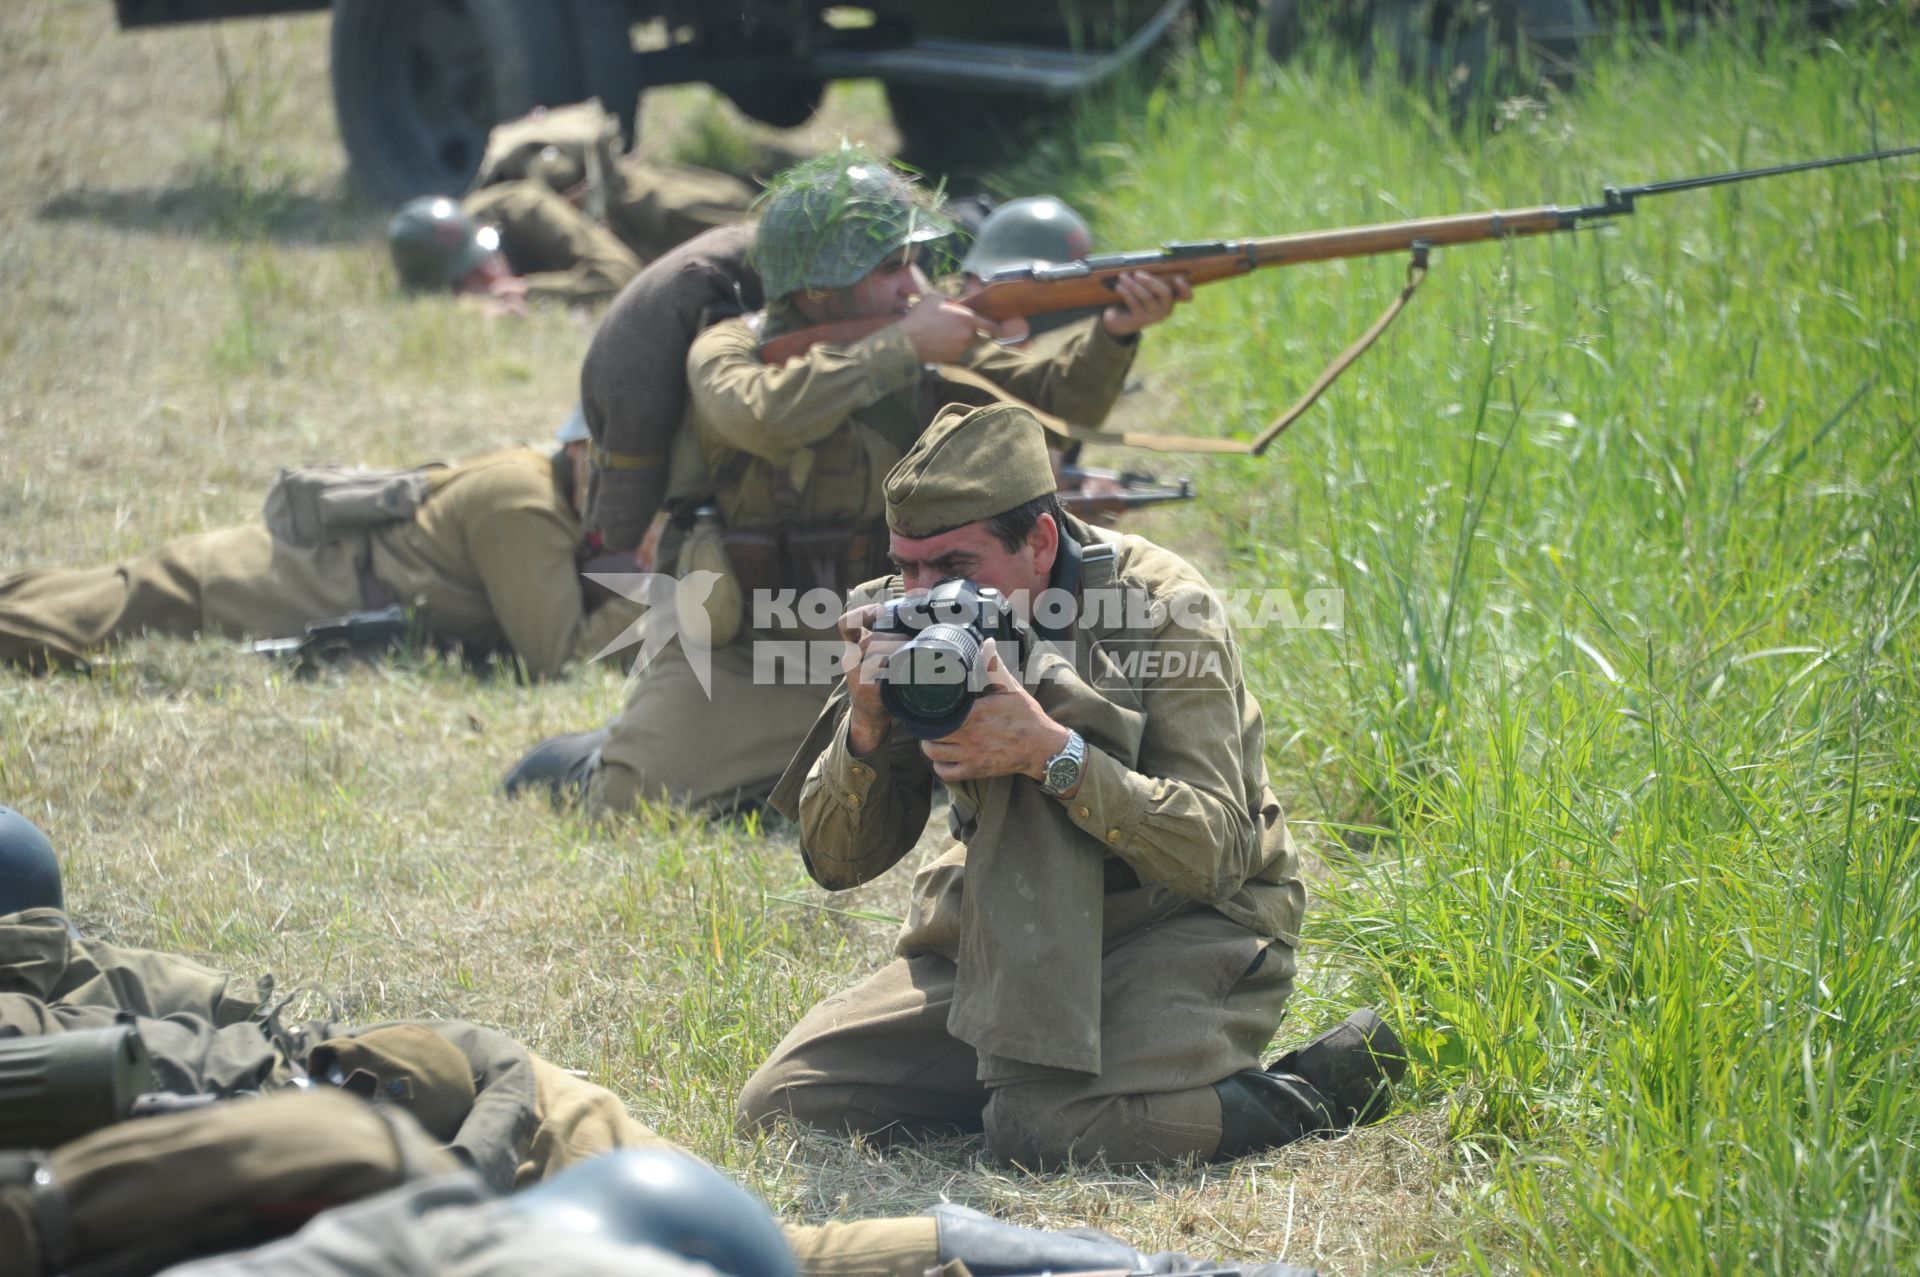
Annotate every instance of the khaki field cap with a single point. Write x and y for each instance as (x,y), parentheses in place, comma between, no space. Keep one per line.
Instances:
(971,464)
(406,1065)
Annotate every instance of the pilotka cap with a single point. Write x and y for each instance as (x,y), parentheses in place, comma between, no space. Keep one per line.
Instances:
(969,465)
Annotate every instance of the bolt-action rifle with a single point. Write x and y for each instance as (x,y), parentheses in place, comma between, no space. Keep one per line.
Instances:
(1101,492)
(1025,291)
(355,634)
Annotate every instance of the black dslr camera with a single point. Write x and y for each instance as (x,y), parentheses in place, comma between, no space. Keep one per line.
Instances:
(930,684)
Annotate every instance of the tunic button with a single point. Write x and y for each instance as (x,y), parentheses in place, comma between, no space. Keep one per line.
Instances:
(1082,812)
(853,800)
(1113,835)
(860,772)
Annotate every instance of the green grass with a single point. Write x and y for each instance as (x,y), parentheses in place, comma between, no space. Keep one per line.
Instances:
(1610,772)
(1619,728)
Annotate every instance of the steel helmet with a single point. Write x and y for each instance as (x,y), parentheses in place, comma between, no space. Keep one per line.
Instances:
(828,222)
(435,244)
(1022,232)
(667,1199)
(29,871)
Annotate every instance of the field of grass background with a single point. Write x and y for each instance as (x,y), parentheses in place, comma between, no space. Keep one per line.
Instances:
(1610,774)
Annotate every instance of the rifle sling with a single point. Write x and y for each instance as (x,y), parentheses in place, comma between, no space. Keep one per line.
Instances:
(1060,428)
(609,460)
(1416,272)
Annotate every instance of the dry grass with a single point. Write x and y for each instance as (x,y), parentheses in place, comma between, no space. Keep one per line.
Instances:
(194,299)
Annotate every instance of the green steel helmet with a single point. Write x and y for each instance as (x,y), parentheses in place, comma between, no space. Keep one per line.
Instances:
(1022,232)
(435,244)
(828,222)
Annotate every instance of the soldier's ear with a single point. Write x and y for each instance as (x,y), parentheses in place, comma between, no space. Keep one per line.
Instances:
(1043,538)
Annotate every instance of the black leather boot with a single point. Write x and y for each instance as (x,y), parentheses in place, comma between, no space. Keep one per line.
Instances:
(561,763)
(990,1248)
(1354,1064)
(1341,1079)
(1261,1110)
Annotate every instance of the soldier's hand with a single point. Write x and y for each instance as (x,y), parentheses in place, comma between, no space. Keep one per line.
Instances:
(507,295)
(1145,300)
(864,657)
(941,329)
(1007,733)
(648,550)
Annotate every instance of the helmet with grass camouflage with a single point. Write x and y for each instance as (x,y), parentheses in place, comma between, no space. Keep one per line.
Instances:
(828,222)
(1021,232)
(435,244)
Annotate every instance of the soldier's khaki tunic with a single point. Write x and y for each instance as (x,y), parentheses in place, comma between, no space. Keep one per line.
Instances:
(204,1028)
(829,425)
(489,558)
(1074,975)
(656,207)
(564,255)
(631,211)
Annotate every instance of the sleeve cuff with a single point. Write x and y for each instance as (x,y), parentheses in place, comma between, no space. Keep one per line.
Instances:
(850,779)
(1116,351)
(1108,807)
(892,363)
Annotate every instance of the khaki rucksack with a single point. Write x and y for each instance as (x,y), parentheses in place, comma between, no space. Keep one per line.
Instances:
(633,385)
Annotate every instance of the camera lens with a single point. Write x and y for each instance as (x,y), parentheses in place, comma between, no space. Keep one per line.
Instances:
(929,682)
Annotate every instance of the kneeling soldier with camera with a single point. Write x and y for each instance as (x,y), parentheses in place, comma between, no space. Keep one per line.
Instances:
(1097,963)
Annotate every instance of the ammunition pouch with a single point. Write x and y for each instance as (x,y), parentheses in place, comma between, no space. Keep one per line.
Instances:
(807,556)
(311,505)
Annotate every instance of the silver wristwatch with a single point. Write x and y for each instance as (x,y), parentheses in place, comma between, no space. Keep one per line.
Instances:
(1063,769)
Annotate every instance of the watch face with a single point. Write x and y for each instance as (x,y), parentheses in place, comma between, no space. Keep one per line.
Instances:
(1061,773)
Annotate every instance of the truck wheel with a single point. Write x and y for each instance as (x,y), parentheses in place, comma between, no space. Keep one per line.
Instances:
(784,103)
(1293,26)
(943,134)
(1465,52)
(417,86)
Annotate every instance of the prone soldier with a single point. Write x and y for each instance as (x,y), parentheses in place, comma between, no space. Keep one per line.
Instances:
(557,214)
(483,552)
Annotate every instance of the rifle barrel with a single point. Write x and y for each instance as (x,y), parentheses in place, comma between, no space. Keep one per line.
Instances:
(1746,175)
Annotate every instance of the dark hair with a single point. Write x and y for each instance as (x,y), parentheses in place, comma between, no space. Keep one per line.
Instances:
(1010,527)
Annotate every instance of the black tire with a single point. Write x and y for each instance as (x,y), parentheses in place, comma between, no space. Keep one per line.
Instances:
(785,102)
(611,72)
(1293,26)
(418,85)
(1470,55)
(962,138)
(1286,31)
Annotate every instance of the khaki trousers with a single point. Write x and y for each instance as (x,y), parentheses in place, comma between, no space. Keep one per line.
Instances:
(237,582)
(1183,1004)
(674,743)
(579,1120)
